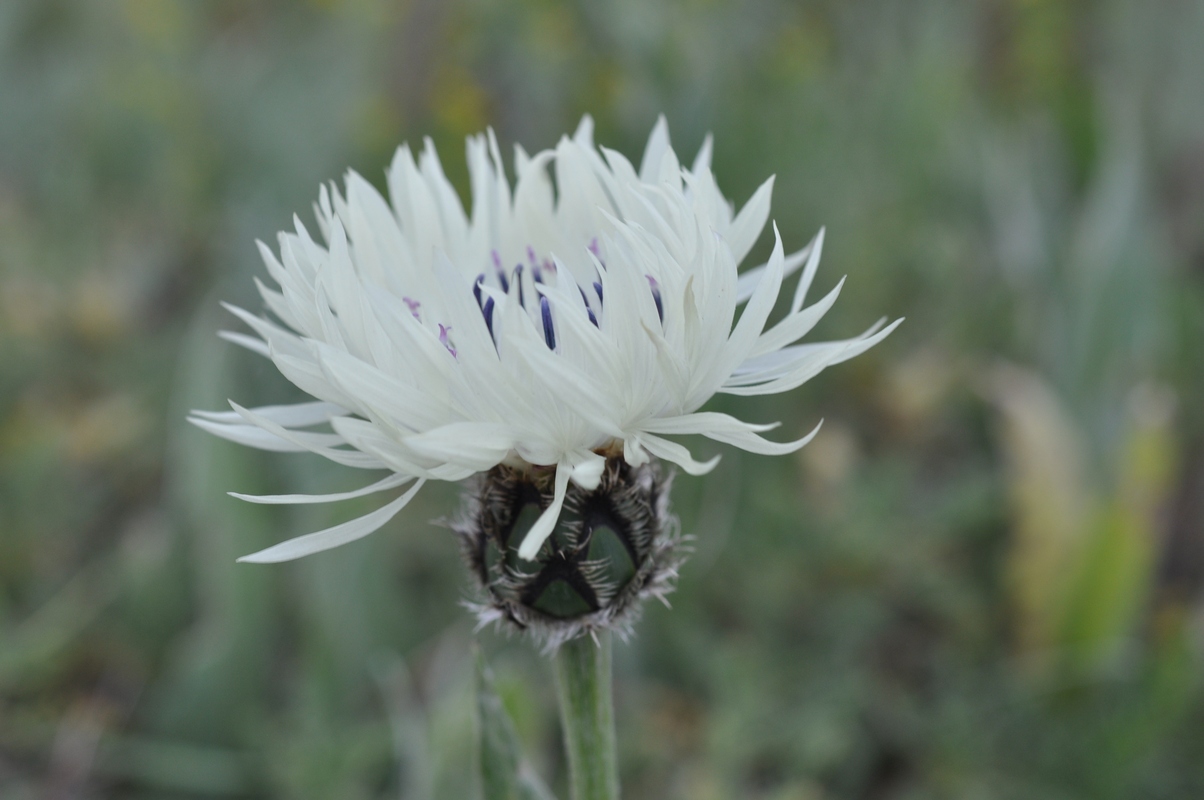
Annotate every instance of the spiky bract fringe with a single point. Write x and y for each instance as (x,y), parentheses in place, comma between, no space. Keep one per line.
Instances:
(631,502)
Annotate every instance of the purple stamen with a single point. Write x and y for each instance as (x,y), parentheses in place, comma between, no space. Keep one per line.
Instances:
(593,246)
(656,296)
(598,289)
(592,318)
(518,278)
(487,312)
(413,305)
(531,256)
(501,273)
(549,334)
(476,288)
(549,265)
(443,332)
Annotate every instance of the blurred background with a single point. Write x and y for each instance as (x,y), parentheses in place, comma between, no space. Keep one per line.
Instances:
(983,580)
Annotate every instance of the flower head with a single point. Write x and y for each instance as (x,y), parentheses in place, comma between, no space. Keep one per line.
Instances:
(553,328)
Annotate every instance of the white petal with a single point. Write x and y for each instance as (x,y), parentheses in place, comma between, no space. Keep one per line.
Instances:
(748,281)
(299,415)
(254,436)
(702,161)
(654,151)
(587,469)
(701,422)
(408,405)
(391,482)
(795,326)
(672,451)
(747,226)
(812,360)
(333,537)
(249,342)
(546,523)
(729,430)
(816,249)
(310,441)
(476,445)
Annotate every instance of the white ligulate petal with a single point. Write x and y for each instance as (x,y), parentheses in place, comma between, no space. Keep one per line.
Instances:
(816,248)
(654,151)
(579,391)
(796,326)
(476,445)
(587,469)
(784,362)
(622,176)
(274,335)
(808,365)
(312,442)
(729,430)
(674,452)
(747,440)
(674,371)
(748,281)
(702,161)
(254,436)
(633,451)
(749,223)
(408,405)
(249,342)
(332,537)
(305,373)
(391,482)
(702,422)
(546,523)
(372,439)
(584,135)
(747,329)
(299,415)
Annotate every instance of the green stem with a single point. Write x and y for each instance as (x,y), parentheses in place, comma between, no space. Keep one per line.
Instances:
(583,685)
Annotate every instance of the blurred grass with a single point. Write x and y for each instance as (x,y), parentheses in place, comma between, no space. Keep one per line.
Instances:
(983,579)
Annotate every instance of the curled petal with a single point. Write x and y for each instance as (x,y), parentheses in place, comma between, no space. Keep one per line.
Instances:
(546,523)
(333,537)
(672,451)
(391,482)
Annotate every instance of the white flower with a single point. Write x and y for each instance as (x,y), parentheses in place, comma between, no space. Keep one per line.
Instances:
(552,327)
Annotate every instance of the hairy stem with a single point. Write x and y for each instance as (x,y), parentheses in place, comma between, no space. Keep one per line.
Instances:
(583,685)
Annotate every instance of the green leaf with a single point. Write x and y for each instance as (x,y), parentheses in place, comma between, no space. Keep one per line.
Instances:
(505,775)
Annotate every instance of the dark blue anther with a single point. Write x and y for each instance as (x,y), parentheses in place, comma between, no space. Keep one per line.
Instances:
(518,278)
(656,296)
(501,273)
(549,334)
(476,288)
(487,311)
(592,318)
(598,289)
